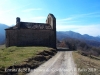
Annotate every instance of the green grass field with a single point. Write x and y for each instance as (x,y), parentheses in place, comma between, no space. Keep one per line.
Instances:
(15,55)
(90,64)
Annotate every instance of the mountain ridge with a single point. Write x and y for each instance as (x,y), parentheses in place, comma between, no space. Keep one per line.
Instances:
(2,32)
(90,40)
(72,34)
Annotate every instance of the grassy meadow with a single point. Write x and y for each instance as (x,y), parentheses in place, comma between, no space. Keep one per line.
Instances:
(15,55)
(90,66)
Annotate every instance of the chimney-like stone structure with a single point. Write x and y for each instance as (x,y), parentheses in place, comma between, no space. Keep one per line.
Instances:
(18,22)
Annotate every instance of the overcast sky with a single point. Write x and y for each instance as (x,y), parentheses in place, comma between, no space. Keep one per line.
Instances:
(81,16)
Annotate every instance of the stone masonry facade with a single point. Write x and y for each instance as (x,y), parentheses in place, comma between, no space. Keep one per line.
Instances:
(32,34)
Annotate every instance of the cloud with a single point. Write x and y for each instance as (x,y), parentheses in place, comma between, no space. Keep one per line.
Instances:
(8,21)
(65,19)
(78,18)
(66,22)
(2,2)
(92,30)
(73,18)
(64,27)
(5,11)
(12,9)
(16,7)
(81,15)
(83,29)
(92,14)
(74,23)
(32,9)
(38,18)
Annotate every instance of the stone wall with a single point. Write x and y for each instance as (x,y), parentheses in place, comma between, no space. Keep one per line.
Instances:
(11,38)
(29,37)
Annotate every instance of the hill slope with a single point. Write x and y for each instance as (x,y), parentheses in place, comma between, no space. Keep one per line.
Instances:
(61,35)
(90,40)
(2,33)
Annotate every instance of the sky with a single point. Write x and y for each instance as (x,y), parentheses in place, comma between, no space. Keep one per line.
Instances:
(82,16)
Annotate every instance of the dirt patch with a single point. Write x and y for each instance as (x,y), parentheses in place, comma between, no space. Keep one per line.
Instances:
(46,53)
(39,58)
(30,63)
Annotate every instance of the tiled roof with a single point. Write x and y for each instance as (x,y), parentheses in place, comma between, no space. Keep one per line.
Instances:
(30,25)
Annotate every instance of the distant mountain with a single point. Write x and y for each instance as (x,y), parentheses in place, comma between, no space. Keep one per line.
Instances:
(61,35)
(94,41)
(98,36)
(2,27)
(2,33)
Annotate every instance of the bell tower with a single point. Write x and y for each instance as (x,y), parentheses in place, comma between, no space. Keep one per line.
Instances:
(51,20)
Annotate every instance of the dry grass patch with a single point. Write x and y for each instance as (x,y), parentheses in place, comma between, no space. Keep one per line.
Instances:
(91,66)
